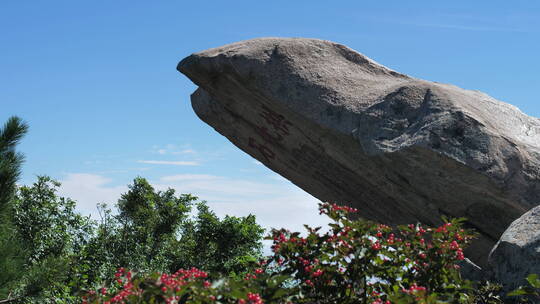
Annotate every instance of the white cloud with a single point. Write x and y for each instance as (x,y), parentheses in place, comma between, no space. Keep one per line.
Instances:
(93,162)
(219,188)
(183,177)
(89,190)
(185,151)
(166,162)
(173,149)
(472,27)
(277,205)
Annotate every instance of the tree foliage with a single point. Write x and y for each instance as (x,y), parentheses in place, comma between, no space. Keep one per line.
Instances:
(53,233)
(228,245)
(10,160)
(148,231)
(11,250)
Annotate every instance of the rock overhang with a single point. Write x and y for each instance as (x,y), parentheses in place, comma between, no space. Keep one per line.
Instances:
(347,129)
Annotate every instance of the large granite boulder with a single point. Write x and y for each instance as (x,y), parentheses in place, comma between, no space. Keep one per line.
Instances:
(517,253)
(347,129)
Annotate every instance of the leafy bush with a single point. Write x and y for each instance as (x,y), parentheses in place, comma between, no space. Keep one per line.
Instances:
(486,292)
(356,261)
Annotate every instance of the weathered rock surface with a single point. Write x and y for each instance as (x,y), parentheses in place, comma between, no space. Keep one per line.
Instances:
(517,253)
(346,129)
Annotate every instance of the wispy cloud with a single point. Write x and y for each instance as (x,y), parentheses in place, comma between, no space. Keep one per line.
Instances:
(93,162)
(188,177)
(475,28)
(217,187)
(185,151)
(171,149)
(89,190)
(464,22)
(167,162)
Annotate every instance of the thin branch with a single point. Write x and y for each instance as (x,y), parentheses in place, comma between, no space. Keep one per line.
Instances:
(9,299)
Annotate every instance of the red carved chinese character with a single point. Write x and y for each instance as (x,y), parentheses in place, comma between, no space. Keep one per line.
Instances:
(264,150)
(278,121)
(263,132)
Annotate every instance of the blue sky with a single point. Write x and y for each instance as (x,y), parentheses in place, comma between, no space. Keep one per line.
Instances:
(96,81)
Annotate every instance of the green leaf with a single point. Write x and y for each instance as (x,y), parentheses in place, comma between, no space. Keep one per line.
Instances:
(518,292)
(280,293)
(533,280)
